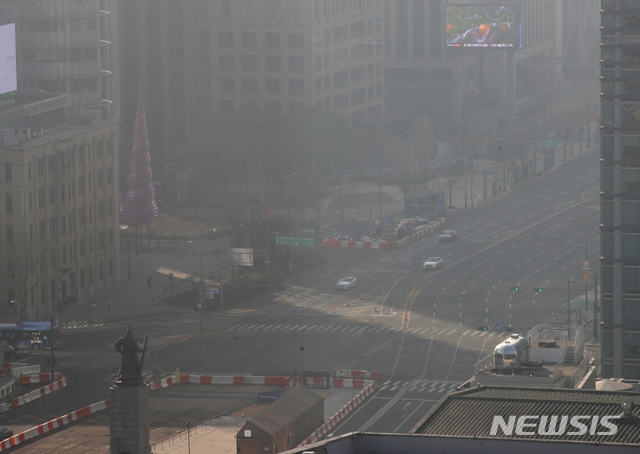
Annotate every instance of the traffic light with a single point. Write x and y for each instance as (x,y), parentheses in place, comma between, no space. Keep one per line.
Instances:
(537,289)
(482,328)
(514,288)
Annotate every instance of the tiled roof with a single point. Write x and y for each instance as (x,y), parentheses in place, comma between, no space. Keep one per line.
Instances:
(285,410)
(470,413)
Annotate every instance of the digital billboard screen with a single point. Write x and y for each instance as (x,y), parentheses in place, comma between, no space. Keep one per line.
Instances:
(8,71)
(483,26)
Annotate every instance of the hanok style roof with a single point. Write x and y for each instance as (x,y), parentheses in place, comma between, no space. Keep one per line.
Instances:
(285,410)
(470,413)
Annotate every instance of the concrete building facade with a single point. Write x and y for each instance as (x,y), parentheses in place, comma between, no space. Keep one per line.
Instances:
(199,60)
(620,188)
(59,238)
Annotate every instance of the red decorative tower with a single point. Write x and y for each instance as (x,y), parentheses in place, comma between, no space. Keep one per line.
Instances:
(139,205)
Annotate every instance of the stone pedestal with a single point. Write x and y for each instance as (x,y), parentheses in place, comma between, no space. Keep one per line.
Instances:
(129,414)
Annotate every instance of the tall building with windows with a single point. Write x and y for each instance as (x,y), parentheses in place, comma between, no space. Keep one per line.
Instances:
(620,188)
(70,47)
(198,60)
(59,239)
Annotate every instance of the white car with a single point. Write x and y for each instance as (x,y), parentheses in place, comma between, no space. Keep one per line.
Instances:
(346,283)
(432,263)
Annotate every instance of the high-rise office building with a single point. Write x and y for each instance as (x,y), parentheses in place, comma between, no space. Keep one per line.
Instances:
(620,188)
(70,47)
(198,60)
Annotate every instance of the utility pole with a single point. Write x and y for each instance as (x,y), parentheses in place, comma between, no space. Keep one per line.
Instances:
(586,281)
(568,309)
(595,307)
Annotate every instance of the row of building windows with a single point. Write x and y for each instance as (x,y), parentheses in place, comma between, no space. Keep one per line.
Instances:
(80,249)
(66,192)
(250,39)
(357,96)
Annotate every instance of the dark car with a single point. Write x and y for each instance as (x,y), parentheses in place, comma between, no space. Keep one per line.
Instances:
(5,433)
(448,235)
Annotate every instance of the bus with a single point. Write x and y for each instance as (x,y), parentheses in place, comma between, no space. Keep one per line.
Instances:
(27,335)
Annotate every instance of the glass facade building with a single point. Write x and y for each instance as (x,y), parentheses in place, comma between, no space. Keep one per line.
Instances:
(620,188)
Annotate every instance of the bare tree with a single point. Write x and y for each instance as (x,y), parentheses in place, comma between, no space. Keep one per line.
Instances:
(451,176)
(29,269)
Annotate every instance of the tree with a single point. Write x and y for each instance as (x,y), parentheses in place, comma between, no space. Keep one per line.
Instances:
(29,267)
(452,175)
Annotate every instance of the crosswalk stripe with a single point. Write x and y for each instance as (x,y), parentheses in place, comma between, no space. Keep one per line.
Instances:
(362,329)
(345,328)
(452,331)
(483,333)
(327,328)
(353,329)
(492,334)
(336,328)
(302,327)
(319,327)
(466,332)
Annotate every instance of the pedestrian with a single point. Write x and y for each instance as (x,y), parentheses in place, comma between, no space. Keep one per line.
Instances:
(149,283)
(108,304)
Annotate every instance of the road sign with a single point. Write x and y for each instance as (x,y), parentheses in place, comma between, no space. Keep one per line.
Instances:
(294,240)
(308,230)
(490,327)
(586,274)
(546,142)
(585,264)
(498,327)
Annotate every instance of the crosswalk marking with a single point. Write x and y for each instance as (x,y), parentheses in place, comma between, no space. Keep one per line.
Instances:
(466,332)
(421,387)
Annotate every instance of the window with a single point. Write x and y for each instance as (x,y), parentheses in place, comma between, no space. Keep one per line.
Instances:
(99,178)
(296,86)
(295,107)
(273,62)
(273,86)
(358,95)
(318,84)
(51,195)
(630,278)
(10,268)
(249,9)
(109,175)
(225,39)
(62,196)
(249,85)
(317,62)
(296,40)
(63,255)
(81,216)
(631,180)
(82,278)
(226,9)
(630,212)
(63,225)
(273,11)
(7,172)
(227,85)
(227,106)
(249,39)
(81,184)
(110,207)
(101,241)
(296,64)
(327,82)
(272,39)
(249,62)
(274,106)
(9,234)
(100,210)
(110,238)
(9,203)
(225,62)
(340,78)
(41,197)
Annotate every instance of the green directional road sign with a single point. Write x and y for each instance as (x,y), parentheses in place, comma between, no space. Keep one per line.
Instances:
(546,143)
(294,240)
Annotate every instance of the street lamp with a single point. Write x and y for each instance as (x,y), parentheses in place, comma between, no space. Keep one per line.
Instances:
(285,193)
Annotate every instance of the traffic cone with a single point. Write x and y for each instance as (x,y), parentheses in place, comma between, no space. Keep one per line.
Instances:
(370,318)
(361,296)
(414,289)
(378,299)
(333,311)
(392,281)
(383,292)
(347,304)
(406,319)
(375,309)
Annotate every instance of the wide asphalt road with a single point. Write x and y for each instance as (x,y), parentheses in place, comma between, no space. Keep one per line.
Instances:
(418,327)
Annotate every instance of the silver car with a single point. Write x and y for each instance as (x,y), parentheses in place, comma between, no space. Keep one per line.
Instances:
(346,283)
(432,263)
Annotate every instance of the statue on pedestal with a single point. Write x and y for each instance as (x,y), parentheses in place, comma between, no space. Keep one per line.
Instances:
(130,369)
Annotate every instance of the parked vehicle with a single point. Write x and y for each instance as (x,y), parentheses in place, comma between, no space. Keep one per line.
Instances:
(346,283)
(432,263)
(5,433)
(511,352)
